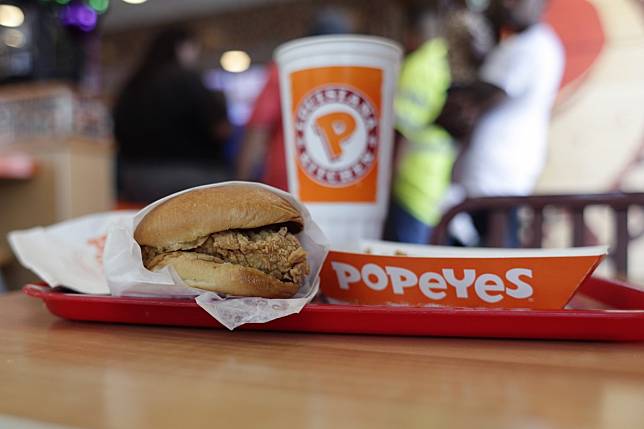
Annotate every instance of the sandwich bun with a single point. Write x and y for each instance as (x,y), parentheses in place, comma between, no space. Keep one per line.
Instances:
(201,271)
(193,215)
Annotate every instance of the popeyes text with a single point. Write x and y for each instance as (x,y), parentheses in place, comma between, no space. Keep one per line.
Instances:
(522,282)
(437,285)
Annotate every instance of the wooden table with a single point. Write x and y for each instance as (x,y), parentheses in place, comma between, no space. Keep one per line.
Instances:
(115,376)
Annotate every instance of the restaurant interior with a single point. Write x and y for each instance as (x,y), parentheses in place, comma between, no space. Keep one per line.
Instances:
(64,65)
(64,62)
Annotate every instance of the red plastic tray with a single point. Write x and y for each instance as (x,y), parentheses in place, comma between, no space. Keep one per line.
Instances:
(618,315)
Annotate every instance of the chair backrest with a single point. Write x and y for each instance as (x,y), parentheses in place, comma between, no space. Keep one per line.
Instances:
(574,204)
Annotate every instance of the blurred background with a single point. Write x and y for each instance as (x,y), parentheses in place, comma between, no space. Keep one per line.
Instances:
(72,72)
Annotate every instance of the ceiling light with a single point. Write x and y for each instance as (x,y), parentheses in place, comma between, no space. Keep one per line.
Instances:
(235,61)
(135,1)
(11,16)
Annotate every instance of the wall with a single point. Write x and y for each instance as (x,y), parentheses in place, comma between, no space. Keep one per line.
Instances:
(597,130)
(600,111)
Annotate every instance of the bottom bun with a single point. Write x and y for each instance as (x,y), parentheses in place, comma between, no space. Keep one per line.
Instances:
(204,272)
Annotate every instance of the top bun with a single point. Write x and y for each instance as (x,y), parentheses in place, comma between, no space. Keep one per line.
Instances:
(191,216)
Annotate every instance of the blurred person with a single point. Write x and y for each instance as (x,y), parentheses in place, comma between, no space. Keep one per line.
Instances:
(168,126)
(262,154)
(510,108)
(469,37)
(445,51)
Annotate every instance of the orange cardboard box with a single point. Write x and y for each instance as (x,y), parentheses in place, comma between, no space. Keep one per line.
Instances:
(397,274)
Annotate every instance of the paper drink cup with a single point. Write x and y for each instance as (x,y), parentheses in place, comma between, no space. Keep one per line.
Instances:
(337,107)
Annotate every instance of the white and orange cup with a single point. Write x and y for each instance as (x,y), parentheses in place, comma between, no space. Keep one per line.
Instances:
(337,106)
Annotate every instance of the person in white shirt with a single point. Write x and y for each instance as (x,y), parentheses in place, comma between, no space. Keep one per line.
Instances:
(521,78)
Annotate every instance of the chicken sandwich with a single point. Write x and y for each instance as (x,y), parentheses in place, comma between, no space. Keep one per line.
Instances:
(234,240)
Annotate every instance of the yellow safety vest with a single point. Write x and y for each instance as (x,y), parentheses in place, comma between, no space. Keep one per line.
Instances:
(425,163)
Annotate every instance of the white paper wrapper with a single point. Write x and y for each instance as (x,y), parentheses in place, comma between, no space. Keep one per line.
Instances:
(68,253)
(126,274)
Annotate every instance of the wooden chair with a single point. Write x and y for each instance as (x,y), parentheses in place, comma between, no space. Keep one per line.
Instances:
(574,204)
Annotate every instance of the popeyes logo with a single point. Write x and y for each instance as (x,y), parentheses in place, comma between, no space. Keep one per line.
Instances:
(98,244)
(336,136)
(521,282)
